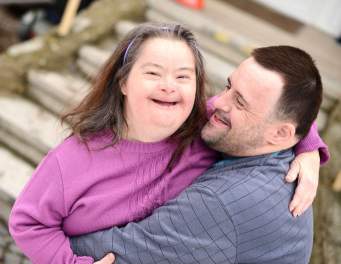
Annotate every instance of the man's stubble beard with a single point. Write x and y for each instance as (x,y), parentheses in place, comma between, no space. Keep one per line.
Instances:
(232,142)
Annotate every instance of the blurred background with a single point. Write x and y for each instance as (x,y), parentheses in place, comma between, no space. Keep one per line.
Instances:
(50,50)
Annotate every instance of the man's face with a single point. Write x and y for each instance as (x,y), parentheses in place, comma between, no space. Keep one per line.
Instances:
(243,112)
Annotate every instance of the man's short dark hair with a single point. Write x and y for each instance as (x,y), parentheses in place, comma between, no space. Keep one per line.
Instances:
(302,92)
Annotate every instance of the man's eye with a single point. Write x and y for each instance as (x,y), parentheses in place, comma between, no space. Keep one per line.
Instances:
(182,77)
(239,102)
(227,87)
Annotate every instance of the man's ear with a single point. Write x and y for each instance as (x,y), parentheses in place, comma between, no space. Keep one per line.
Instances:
(282,133)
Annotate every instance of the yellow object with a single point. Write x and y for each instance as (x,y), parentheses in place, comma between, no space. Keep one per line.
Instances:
(246,49)
(222,37)
(337,182)
(68,17)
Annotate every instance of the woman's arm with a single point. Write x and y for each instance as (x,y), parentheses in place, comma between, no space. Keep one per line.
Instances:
(36,218)
(312,141)
(310,152)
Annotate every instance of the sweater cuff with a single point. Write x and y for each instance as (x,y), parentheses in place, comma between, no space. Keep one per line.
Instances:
(209,106)
(84,260)
(313,142)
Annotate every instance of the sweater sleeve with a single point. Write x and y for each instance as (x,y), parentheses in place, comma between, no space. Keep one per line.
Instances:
(312,142)
(193,228)
(36,218)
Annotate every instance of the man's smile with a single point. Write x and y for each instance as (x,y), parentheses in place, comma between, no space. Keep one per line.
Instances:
(220,121)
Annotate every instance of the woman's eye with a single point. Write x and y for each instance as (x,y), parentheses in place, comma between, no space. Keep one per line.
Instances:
(227,87)
(152,73)
(183,77)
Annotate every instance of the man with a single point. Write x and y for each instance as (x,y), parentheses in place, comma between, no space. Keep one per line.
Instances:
(237,212)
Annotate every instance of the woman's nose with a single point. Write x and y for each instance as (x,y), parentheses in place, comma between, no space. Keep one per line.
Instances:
(168,85)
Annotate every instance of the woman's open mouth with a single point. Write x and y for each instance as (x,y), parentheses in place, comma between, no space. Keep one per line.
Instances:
(164,103)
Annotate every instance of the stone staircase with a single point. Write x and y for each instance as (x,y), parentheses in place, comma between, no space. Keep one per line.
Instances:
(30,123)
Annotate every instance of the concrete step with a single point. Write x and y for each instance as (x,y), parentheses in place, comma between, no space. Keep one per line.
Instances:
(55,91)
(28,128)
(14,173)
(322,119)
(94,55)
(124,26)
(91,59)
(89,70)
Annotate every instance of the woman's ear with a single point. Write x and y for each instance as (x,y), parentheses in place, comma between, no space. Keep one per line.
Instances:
(123,88)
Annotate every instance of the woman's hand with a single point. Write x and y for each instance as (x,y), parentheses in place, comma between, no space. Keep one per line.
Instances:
(305,167)
(108,259)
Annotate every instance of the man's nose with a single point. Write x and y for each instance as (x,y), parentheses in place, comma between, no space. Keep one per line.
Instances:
(223,102)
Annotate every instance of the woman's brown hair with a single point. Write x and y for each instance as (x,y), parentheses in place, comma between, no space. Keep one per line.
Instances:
(103,107)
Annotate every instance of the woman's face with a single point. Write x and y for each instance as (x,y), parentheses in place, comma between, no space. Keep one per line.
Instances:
(160,90)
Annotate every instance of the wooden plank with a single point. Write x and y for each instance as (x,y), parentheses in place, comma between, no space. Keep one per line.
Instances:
(122,27)
(87,68)
(46,100)
(328,103)
(27,123)
(217,69)
(94,55)
(55,91)
(68,17)
(331,88)
(14,173)
(91,59)
(21,146)
(322,119)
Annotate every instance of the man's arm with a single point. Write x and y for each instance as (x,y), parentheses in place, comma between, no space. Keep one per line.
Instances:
(193,228)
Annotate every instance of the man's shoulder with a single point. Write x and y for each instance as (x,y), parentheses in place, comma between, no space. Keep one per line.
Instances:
(256,196)
(233,178)
(252,190)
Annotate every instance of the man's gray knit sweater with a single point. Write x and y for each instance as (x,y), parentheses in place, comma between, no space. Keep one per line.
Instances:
(237,212)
